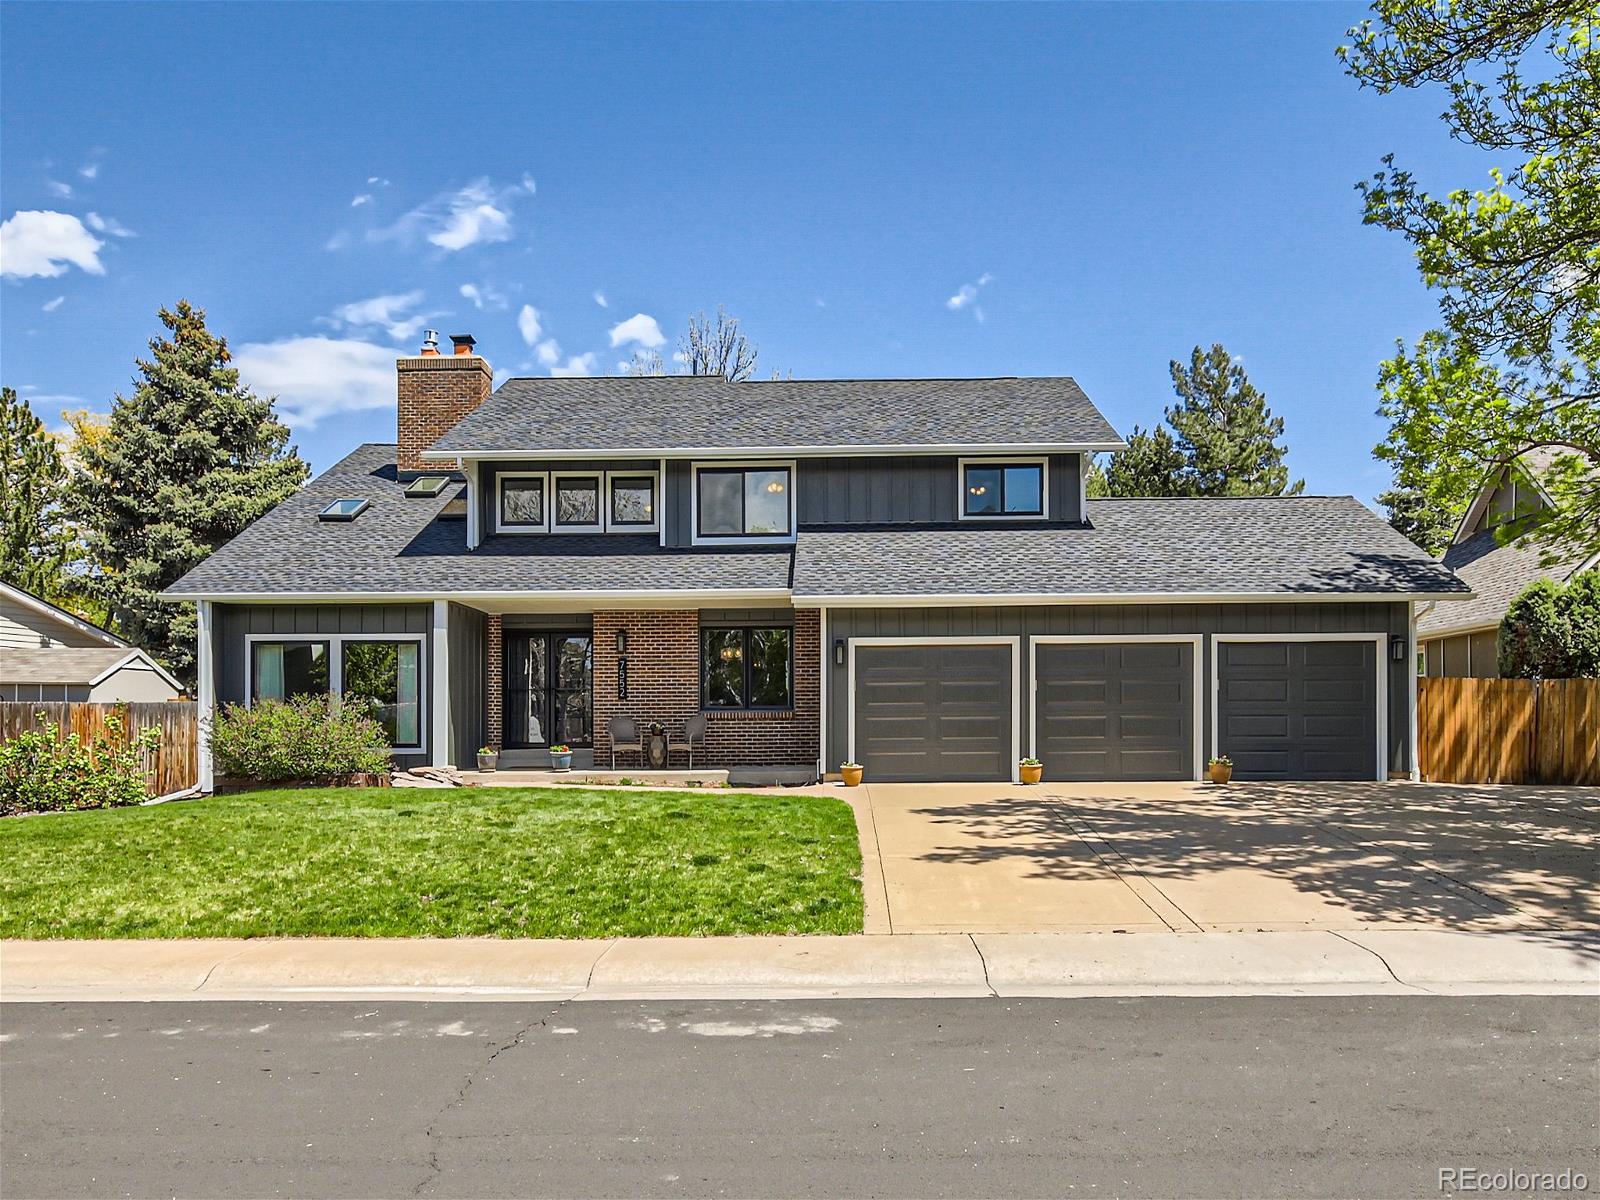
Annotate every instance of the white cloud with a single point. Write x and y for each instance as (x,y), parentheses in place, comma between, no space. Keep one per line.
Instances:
(44,243)
(477,214)
(967,295)
(108,225)
(548,352)
(482,297)
(358,201)
(52,305)
(319,377)
(89,170)
(377,181)
(638,328)
(600,299)
(393,313)
(57,188)
(578,365)
(528,324)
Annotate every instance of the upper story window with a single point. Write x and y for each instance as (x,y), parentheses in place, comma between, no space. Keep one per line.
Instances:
(995,488)
(577,502)
(752,502)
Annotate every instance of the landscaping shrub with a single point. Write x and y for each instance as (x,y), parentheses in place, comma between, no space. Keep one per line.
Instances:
(307,738)
(1553,632)
(41,771)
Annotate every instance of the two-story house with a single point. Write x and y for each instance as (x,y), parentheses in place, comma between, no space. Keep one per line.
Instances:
(904,573)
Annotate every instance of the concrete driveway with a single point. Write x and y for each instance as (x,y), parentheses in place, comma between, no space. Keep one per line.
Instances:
(999,858)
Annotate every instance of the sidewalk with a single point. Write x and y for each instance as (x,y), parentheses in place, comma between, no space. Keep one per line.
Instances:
(1305,962)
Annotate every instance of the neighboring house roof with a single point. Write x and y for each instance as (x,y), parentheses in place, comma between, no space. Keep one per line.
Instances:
(397,547)
(1287,547)
(74,665)
(1496,573)
(56,613)
(677,414)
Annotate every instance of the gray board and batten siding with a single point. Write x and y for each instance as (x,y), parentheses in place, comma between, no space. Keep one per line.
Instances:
(1026,622)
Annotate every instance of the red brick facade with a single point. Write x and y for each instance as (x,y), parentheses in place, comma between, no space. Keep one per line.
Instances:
(664,685)
(494,685)
(435,392)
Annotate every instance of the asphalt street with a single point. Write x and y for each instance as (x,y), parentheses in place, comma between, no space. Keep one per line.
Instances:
(1323,1096)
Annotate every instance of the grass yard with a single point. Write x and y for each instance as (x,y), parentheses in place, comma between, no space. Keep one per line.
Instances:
(536,862)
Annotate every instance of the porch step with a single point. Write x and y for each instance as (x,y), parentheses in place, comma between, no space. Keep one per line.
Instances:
(543,777)
(539,760)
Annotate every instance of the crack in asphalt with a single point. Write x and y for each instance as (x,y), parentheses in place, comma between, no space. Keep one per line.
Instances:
(432,1133)
(1384,961)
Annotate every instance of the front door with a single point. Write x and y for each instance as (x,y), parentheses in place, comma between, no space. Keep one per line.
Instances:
(547,689)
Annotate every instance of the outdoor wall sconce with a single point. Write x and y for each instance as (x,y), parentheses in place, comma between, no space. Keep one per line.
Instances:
(1397,649)
(622,642)
(838,652)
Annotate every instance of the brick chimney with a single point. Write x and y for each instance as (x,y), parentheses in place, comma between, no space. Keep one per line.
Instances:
(436,391)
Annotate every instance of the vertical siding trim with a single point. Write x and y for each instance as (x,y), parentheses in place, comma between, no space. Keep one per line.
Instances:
(1412,769)
(205,691)
(441,683)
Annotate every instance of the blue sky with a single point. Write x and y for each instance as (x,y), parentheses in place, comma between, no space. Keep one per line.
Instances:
(877,191)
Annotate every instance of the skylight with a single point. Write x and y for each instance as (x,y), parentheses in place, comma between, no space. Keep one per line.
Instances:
(343,510)
(427,485)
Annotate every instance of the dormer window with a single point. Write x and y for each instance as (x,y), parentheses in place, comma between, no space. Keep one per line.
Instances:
(995,489)
(744,502)
(577,501)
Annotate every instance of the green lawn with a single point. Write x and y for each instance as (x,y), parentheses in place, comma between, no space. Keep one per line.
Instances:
(536,862)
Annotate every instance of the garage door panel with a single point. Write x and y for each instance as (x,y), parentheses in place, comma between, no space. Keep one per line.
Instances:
(1113,711)
(926,712)
(1313,716)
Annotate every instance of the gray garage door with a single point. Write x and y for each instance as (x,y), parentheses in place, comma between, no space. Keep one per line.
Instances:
(1298,710)
(1108,711)
(933,712)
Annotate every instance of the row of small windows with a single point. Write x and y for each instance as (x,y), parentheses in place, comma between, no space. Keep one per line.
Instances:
(542,502)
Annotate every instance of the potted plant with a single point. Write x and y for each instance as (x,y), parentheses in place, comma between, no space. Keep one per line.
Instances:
(1032,770)
(488,756)
(1220,768)
(561,758)
(851,773)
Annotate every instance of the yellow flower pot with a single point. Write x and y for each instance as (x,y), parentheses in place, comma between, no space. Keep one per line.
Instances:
(851,776)
(1032,774)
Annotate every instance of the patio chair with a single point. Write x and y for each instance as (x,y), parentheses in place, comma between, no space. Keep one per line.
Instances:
(625,736)
(694,734)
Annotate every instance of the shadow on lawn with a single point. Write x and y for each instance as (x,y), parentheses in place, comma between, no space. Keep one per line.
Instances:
(1462,857)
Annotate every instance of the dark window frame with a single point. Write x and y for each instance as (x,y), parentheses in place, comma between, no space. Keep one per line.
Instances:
(601,498)
(745,633)
(1002,467)
(253,690)
(520,481)
(631,481)
(744,533)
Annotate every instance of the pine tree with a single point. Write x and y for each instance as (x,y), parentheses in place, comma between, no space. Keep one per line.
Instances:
(1226,432)
(36,538)
(1152,465)
(190,459)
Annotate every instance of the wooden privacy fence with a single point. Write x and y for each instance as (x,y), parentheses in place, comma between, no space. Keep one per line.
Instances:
(1509,730)
(171,767)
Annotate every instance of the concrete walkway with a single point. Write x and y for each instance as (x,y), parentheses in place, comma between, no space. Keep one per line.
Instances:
(1377,962)
(1188,858)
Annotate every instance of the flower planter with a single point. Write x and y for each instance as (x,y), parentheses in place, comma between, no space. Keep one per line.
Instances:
(1032,773)
(851,776)
(487,762)
(1221,772)
(561,762)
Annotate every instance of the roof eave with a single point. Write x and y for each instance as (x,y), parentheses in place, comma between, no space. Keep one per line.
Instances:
(947,599)
(433,454)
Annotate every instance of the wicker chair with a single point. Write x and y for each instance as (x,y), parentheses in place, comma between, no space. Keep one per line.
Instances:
(625,736)
(694,734)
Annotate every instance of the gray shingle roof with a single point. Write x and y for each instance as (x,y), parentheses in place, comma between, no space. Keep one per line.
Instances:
(397,547)
(1282,546)
(1496,573)
(61,664)
(670,412)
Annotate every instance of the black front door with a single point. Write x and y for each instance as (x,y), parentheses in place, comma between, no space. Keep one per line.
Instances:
(547,689)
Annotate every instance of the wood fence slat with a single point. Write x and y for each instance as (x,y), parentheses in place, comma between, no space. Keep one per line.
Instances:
(1509,730)
(171,767)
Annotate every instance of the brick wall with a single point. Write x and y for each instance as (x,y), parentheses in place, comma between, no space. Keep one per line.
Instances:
(494,685)
(435,392)
(664,685)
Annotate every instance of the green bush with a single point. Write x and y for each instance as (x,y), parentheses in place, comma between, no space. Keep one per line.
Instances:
(307,738)
(1553,632)
(42,771)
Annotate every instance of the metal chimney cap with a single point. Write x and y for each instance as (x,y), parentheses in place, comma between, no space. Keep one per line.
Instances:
(430,340)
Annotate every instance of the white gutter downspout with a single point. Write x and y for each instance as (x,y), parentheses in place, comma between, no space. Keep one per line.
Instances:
(205,694)
(440,672)
(822,696)
(1414,770)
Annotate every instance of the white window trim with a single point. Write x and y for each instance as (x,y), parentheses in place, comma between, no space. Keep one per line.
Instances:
(1197,657)
(499,502)
(615,526)
(1008,460)
(602,501)
(1380,643)
(991,640)
(336,643)
(761,539)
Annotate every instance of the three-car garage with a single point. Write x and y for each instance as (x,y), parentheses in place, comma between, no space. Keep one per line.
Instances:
(1117,707)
